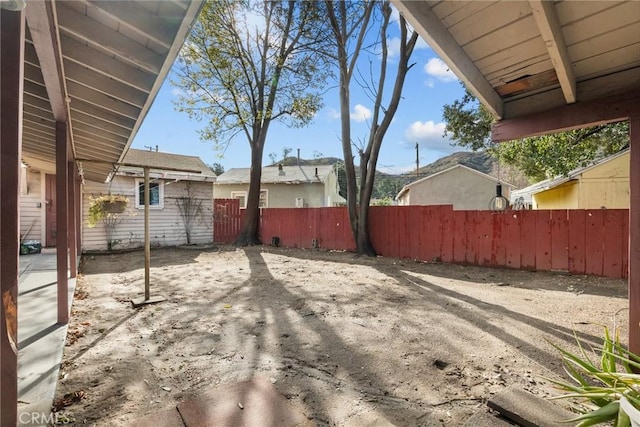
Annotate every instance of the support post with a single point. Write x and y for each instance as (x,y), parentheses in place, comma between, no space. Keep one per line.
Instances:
(62,222)
(71,208)
(12,30)
(147,243)
(78,190)
(634,235)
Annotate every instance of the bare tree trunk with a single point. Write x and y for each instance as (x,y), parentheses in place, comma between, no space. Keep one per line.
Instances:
(250,224)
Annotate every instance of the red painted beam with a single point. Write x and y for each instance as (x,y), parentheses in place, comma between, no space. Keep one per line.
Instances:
(71,190)
(573,116)
(12,25)
(62,222)
(634,236)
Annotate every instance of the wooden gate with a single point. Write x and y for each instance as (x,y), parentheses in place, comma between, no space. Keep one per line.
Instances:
(226,220)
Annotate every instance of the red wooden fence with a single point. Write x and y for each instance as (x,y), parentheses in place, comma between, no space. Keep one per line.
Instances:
(226,220)
(591,242)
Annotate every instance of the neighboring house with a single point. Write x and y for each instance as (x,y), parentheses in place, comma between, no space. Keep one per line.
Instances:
(604,184)
(169,190)
(461,186)
(283,186)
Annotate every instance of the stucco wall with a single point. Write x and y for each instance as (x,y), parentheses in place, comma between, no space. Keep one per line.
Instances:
(166,224)
(280,195)
(604,186)
(460,187)
(565,196)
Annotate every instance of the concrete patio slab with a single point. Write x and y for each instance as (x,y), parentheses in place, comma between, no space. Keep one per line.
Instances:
(528,410)
(40,339)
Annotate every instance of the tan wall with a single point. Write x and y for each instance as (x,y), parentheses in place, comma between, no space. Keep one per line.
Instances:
(32,208)
(460,187)
(280,195)
(166,224)
(565,196)
(604,186)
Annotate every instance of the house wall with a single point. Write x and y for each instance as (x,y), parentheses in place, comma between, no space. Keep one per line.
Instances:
(606,185)
(280,195)
(166,225)
(459,187)
(565,196)
(603,186)
(31,206)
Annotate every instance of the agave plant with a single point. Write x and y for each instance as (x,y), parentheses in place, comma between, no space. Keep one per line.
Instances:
(600,385)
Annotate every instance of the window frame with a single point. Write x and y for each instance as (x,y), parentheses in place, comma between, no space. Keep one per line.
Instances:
(243,194)
(140,203)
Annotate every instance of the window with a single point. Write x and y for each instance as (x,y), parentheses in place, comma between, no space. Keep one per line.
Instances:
(242,196)
(264,197)
(156,194)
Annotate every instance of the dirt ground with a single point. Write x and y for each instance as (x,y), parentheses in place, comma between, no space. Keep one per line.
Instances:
(349,340)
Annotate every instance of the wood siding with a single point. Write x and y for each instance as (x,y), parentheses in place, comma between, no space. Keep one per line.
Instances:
(31,207)
(166,224)
(591,242)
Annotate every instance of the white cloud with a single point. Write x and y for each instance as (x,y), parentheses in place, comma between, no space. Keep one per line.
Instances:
(360,113)
(333,114)
(438,69)
(393,46)
(430,135)
(430,83)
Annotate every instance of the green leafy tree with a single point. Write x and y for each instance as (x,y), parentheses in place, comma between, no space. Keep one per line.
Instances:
(217,168)
(469,125)
(350,23)
(245,65)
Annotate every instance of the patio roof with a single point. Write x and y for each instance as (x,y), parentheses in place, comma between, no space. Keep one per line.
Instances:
(521,58)
(546,66)
(100,64)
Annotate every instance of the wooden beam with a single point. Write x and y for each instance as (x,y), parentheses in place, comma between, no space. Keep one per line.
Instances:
(62,156)
(634,235)
(581,114)
(528,83)
(106,38)
(138,19)
(12,36)
(44,35)
(95,59)
(71,217)
(429,26)
(544,12)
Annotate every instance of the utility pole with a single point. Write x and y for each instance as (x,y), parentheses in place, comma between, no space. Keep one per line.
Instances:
(417,161)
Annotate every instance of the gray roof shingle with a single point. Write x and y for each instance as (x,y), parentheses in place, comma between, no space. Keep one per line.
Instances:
(273,175)
(166,162)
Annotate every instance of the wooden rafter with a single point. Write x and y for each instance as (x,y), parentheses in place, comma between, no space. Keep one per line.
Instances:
(429,26)
(546,18)
(45,41)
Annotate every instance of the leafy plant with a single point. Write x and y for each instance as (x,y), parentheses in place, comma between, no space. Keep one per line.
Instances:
(600,384)
(98,209)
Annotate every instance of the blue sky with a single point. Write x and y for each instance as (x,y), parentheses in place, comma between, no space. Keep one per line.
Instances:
(429,85)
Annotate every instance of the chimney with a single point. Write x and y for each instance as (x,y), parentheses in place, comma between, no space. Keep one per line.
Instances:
(156,148)
(280,170)
(298,157)
(316,172)
(279,166)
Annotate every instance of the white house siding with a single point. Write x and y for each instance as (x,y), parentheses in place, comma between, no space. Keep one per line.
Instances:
(166,226)
(280,195)
(31,207)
